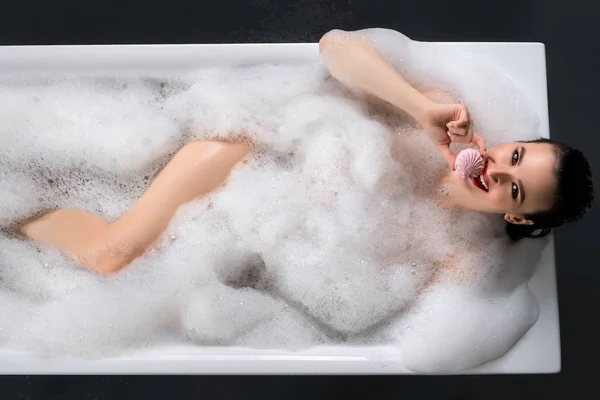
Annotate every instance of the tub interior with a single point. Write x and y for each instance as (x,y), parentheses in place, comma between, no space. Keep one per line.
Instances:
(537,352)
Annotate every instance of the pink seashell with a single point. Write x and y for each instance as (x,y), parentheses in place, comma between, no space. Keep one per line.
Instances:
(469,163)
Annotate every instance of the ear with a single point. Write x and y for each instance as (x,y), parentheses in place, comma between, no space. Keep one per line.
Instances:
(514,219)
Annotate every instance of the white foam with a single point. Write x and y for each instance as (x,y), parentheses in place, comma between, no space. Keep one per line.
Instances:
(330,233)
(453,329)
(220,314)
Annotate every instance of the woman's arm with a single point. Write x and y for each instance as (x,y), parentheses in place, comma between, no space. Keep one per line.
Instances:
(354,62)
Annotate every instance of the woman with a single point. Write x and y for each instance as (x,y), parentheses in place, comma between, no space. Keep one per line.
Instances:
(535,185)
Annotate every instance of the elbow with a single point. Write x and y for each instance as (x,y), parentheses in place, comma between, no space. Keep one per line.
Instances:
(322,42)
(333,35)
(105,261)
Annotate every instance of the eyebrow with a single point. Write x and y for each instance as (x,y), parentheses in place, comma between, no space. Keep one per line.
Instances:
(522,191)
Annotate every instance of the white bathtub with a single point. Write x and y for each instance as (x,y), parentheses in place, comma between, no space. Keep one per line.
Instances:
(537,352)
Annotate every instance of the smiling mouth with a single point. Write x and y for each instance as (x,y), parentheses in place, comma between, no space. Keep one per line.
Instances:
(480,181)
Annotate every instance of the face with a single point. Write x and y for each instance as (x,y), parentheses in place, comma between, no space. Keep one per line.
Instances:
(518,179)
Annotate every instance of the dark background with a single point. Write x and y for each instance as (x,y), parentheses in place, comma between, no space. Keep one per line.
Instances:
(570,30)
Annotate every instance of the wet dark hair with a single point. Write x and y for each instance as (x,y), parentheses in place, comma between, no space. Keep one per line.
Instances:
(574,194)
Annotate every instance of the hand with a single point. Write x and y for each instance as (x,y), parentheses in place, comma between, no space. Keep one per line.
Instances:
(447,123)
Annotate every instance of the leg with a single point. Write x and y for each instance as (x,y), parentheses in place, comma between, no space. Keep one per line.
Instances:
(196,170)
(68,230)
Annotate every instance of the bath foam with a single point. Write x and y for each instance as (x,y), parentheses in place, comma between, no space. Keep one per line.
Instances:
(18,189)
(221,314)
(331,233)
(459,335)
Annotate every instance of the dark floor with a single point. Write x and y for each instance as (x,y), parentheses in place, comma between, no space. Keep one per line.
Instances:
(570,30)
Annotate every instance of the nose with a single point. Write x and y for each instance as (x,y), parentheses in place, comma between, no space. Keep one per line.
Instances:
(498,173)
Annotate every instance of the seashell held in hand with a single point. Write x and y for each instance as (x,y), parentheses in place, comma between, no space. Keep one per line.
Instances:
(469,163)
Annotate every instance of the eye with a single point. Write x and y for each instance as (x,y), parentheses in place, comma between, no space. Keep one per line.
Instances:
(515,191)
(515,157)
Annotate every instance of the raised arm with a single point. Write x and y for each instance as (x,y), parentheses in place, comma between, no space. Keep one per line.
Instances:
(355,63)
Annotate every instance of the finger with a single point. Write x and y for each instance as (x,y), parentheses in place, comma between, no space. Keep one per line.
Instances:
(458,124)
(458,131)
(461,127)
(459,138)
(444,149)
(462,117)
(470,130)
(479,142)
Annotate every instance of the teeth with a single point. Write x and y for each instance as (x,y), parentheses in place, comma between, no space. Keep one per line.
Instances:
(483,182)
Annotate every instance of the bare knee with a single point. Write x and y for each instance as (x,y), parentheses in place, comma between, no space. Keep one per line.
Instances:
(104,260)
(111,251)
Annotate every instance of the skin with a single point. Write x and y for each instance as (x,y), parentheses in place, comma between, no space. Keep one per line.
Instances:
(520,179)
(200,168)
(196,170)
(354,62)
